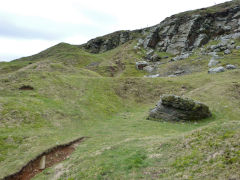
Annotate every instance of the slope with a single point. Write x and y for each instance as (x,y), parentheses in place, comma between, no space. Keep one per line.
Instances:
(65,92)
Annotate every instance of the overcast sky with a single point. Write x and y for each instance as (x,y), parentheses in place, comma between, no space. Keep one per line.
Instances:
(30,26)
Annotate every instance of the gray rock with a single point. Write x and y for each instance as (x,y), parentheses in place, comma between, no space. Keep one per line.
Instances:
(107,42)
(237,15)
(217,50)
(177,73)
(230,66)
(152,39)
(177,34)
(213,54)
(181,57)
(181,34)
(227,51)
(213,62)
(213,47)
(175,108)
(216,70)
(227,28)
(238,47)
(124,37)
(231,46)
(155,58)
(223,48)
(149,69)
(136,47)
(201,40)
(140,42)
(152,76)
(149,54)
(172,75)
(141,64)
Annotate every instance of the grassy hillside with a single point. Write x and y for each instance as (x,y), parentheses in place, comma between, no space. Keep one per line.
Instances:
(103,97)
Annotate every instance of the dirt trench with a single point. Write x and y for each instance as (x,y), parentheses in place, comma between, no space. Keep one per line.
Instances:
(52,156)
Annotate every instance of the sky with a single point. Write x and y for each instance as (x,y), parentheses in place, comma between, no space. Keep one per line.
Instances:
(30,26)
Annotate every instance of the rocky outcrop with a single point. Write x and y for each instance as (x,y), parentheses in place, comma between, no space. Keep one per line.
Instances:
(185,32)
(175,108)
(107,42)
(179,33)
(152,39)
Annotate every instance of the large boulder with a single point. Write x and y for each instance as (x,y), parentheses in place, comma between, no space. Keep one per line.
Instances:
(176,108)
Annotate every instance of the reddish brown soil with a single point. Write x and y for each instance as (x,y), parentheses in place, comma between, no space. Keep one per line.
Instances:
(53,156)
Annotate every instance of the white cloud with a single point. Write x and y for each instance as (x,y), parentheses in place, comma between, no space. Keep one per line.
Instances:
(15,48)
(76,21)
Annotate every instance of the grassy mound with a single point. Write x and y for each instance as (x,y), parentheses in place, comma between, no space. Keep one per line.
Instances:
(102,96)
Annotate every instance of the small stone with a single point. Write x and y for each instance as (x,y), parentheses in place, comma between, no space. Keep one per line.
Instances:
(152,76)
(213,47)
(155,58)
(181,57)
(141,64)
(172,75)
(213,62)
(149,69)
(227,51)
(217,50)
(149,54)
(216,70)
(213,54)
(231,46)
(140,42)
(136,47)
(227,28)
(238,47)
(42,163)
(230,66)
(179,72)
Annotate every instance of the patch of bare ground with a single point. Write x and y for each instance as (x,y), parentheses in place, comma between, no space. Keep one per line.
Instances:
(45,160)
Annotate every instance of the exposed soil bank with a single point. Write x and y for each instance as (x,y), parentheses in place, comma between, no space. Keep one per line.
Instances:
(52,156)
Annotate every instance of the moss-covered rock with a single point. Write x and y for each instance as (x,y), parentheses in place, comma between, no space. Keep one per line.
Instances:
(176,108)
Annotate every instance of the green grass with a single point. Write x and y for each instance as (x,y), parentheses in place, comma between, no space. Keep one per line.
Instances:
(103,97)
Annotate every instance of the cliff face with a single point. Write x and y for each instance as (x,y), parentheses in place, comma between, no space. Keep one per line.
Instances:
(178,33)
(107,42)
(188,31)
